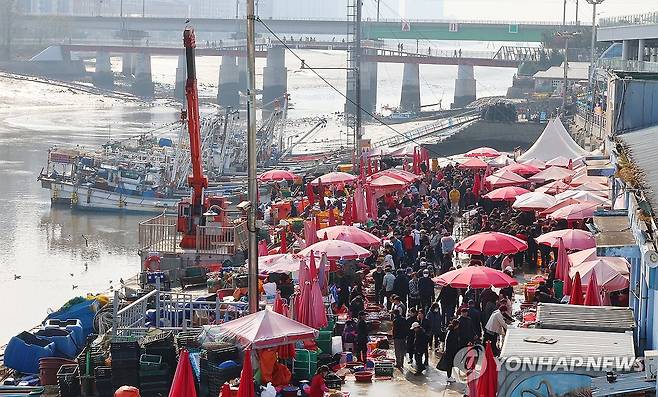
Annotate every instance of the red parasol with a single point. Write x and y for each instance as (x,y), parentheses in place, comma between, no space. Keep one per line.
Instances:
(310,194)
(347,212)
(313,270)
(336,249)
(318,226)
(491,243)
(534,201)
(352,234)
(507,193)
(226,390)
(331,219)
(521,169)
(488,380)
(277,175)
(184,382)
(575,211)
(505,178)
(562,266)
(557,206)
(334,178)
(573,239)
(402,175)
(475,277)
(554,187)
(473,164)
(246,388)
(262,248)
(482,152)
(361,214)
(369,167)
(576,297)
(477,184)
(310,232)
(611,272)
(320,185)
(593,293)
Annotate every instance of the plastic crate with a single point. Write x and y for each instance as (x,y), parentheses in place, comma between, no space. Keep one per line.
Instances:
(103,372)
(384,368)
(325,335)
(162,338)
(150,361)
(68,381)
(104,387)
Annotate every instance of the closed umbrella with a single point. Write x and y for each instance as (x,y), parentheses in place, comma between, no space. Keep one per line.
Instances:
(277,175)
(304,275)
(576,297)
(371,203)
(491,243)
(593,292)
(562,266)
(183,383)
(361,215)
(318,226)
(322,274)
(284,243)
(475,277)
(507,193)
(262,248)
(573,239)
(347,212)
(488,381)
(310,194)
(310,232)
(352,234)
(477,184)
(313,271)
(318,314)
(246,388)
(332,216)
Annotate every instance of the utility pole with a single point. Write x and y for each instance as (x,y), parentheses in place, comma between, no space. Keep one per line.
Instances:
(566,35)
(251,159)
(357,86)
(378,10)
(564,14)
(592,79)
(576,12)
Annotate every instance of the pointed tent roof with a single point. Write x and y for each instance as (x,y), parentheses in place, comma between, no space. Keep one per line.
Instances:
(555,141)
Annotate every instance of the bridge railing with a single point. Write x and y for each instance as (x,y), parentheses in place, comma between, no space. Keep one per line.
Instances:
(648,18)
(628,65)
(427,129)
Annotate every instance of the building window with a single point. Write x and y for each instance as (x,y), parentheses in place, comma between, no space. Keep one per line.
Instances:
(514,28)
(453,27)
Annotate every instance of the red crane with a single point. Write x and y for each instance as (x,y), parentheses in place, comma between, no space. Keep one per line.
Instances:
(192,210)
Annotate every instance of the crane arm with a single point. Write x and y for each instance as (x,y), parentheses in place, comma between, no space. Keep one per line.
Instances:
(197,181)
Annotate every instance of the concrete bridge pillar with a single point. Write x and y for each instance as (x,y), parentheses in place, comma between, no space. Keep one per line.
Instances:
(410,96)
(465,91)
(625,50)
(640,50)
(103,76)
(228,93)
(654,55)
(143,84)
(181,77)
(242,74)
(127,67)
(275,77)
(368,88)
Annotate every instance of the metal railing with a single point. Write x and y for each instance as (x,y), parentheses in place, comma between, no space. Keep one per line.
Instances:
(648,18)
(221,239)
(628,65)
(172,312)
(428,129)
(159,234)
(589,116)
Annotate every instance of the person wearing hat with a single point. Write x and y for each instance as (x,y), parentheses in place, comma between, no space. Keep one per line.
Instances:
(420,347)
(361,346)
(426,290)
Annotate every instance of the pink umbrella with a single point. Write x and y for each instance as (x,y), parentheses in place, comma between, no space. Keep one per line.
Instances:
(279,263)
(551,174)
(310,233)
(284,243)
(521,169)
(583,196)
(475,277)
(562,266)
(318,314)
(347,212)
(573,239)
(596,188)
(554,187)
(505,178)
(262,248)
(352,234)
(534,201)
(593,292)
(557,206)
(612,273)
(477,184)
(507,193)
(473,164)
(277,175)
(322,274)
(304,273)
(576,296)
(491,243)
(559,161)
(313,271)
(575,212)
(371,203)
(482,152)
(360,215)
(336,249)
(318,226)
(582,179)
(587,255)
(334,178)
(402,175)
(535,163)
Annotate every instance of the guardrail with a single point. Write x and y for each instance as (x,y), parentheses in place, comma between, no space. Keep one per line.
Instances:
(173,312)
(648,18)
(628,65)
(428,129)
(591,117)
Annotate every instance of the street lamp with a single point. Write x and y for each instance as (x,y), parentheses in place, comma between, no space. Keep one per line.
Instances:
(592,82)
(566,36)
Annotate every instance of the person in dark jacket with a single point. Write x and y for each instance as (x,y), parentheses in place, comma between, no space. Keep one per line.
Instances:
(356,306)
(361,347)
(420,347)
(435,325)
(412,317)
(426,290)
(448,297)
(466,332)
(425,324)
(401,285)
(451,348)
(400,332)
(476,318)
(378,277)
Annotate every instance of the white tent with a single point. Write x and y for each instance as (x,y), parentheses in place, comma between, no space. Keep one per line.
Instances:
(553,142)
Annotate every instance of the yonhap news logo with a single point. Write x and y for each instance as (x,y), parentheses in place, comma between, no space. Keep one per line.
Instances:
(471,361)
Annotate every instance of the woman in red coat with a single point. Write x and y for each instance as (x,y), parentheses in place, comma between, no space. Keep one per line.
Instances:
(318,387)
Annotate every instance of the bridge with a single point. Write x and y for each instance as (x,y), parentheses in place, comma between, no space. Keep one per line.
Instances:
(384,29)
(638,35)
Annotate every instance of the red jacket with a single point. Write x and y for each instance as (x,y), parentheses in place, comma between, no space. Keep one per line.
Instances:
(408,242)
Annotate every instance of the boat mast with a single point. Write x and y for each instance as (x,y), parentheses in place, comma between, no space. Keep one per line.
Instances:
(251,159)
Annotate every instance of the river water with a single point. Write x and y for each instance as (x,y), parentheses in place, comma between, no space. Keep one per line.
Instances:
(59,254)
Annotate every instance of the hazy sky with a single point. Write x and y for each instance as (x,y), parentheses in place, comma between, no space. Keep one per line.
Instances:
(540,10)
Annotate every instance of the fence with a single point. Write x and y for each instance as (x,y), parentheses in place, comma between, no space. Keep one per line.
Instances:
(628,65)
(171,312)
(428,129)
(634,19)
